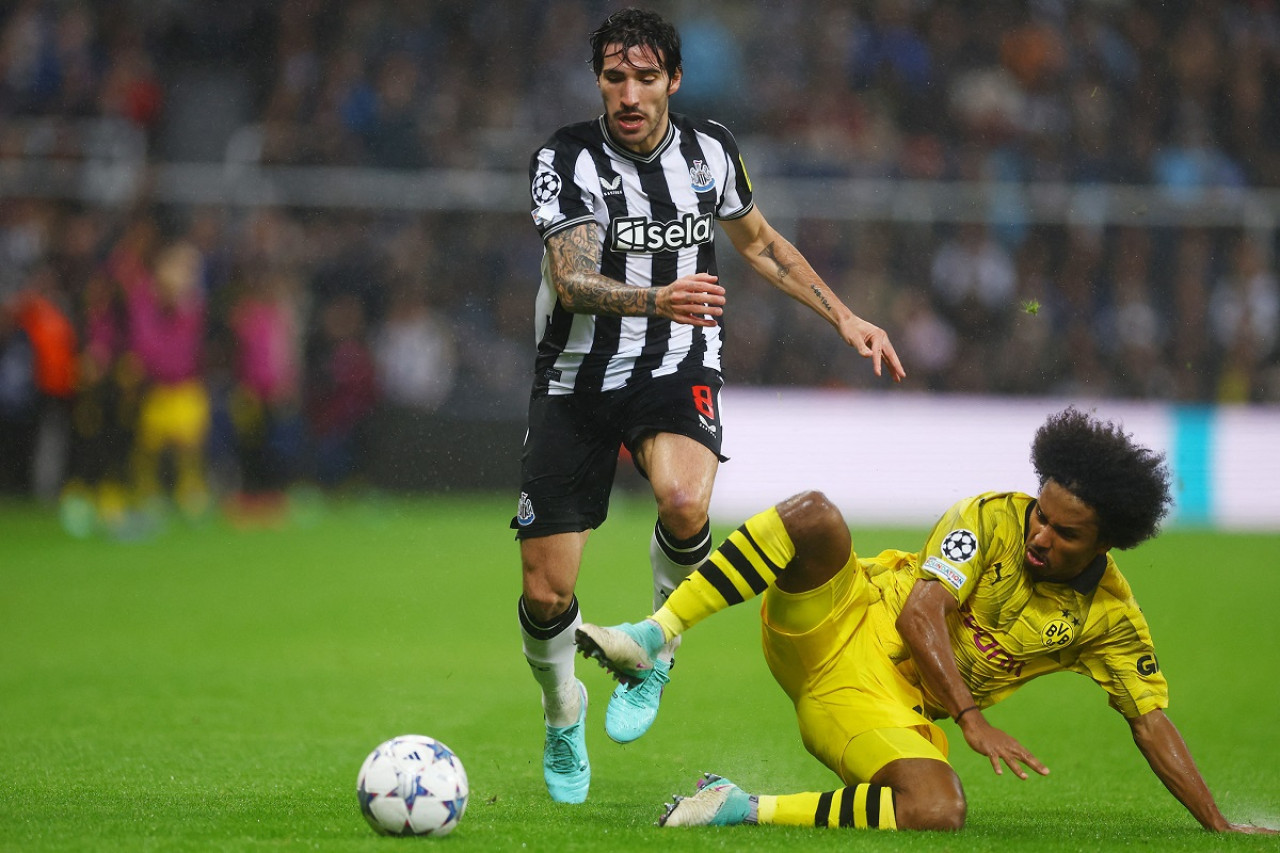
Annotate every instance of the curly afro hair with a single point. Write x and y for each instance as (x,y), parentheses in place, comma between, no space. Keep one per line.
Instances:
(1126,484)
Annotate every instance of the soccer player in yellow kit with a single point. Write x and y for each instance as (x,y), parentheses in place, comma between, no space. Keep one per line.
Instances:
(871,651)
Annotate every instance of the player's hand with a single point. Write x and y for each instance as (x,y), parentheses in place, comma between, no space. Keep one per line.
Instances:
(695,300)
(872,342)
(999,746)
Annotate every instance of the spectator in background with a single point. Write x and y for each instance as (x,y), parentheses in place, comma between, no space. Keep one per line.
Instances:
(103,414)
(1079,283)
(341,390)
(1191,159)
(928,340)
(973,280)
(414,353)
(166,314)
(1030,357)
(393,139)
(18,403)
(1190,352)
(713,65)
(54,346)
(267,396)
(131,89)
(1244,316)
(1131,331)
(972,270)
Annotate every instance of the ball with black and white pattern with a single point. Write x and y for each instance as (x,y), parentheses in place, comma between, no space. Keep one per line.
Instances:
(412,785)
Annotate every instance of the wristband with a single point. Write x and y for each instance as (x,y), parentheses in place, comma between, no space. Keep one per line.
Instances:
(957,717)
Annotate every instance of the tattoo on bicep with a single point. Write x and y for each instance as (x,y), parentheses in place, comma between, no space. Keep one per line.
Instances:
(573,252)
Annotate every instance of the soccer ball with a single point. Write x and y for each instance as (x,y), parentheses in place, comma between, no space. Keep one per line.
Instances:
(412,785)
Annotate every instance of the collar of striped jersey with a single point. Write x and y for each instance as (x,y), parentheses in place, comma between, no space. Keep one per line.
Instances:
(1088,580)
(631,155)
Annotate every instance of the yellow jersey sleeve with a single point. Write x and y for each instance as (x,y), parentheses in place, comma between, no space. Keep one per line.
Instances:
(969,538)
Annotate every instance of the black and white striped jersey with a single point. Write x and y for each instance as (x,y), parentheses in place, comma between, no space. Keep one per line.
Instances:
(655,218)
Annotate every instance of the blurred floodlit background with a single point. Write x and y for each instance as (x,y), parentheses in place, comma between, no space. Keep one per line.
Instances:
(248,247)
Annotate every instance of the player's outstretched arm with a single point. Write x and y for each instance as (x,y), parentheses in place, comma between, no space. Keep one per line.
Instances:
(574,258)
(782,264)
(1162,745)
(923,626)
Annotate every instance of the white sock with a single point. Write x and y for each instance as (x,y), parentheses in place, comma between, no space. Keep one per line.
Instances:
(549,649)
(673,560)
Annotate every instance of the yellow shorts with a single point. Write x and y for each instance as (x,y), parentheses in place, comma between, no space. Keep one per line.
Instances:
(174,415)
(827,649)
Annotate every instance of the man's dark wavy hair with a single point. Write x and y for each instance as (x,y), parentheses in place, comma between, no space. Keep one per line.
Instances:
(1126,484)
(637,28)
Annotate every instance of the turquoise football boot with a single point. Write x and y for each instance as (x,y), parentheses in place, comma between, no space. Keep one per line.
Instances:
(718,802)
(564,759)
(633,709)
(626,650)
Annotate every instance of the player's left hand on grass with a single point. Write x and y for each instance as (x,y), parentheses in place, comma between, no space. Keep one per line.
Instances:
(873,342)
(999,746)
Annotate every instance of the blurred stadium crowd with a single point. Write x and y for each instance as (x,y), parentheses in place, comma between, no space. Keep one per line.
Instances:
(194,350)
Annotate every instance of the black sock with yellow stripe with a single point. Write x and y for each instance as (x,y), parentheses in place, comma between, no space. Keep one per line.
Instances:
(744,565)
(862,806)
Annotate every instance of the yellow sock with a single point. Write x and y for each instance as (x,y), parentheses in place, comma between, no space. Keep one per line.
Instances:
(862,806)
(744,566)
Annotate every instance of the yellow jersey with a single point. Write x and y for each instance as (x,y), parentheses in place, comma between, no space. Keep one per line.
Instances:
(1011,628)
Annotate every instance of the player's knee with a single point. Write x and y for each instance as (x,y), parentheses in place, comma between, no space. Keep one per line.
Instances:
(546,594)
(809,509)
(927,795)
(814,522)
(943,814)
(940,808)
(683,512)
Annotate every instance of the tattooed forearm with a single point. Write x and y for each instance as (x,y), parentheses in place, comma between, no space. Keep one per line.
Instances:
(600,295)
(770,252)
(822,297)
(785,270)
(574,256)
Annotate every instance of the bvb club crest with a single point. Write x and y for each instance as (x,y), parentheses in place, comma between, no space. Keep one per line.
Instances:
(1057,633)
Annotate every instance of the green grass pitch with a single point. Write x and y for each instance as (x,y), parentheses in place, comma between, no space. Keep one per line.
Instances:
(217,689)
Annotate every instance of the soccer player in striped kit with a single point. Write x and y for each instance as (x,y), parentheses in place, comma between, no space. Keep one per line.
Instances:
(627,325)
(871,651)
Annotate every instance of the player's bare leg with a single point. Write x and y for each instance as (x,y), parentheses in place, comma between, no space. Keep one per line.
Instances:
(681,472)
(800,544)
(549,567)
(927,793)
(549,618)
(909,793)
(821,538)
